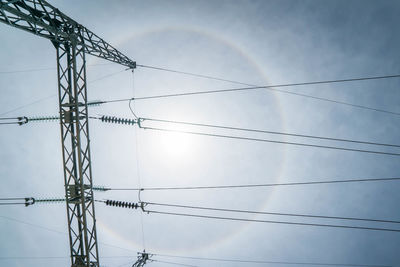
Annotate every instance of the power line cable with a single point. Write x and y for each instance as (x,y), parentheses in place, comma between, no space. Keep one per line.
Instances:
(28,104)
(137,157)
(272,141)
(248,84)
(8,118)
(174,263)
(14,120)
(27,201)
(54,95)
(272,221)
(248,185)
(272,213)
(255,88)
(192,74)
(250,88)
(269,132)
(267,262)
(201,259)
(270,87)
(43,69)
(33,257)
(139,120)
(12,198)
(211,259)
(11,203)
(22,120)
(56,231)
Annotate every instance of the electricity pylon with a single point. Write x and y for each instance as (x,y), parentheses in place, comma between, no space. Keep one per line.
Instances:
(72,42)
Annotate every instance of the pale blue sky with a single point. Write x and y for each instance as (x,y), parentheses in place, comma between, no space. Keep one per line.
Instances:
(257,42)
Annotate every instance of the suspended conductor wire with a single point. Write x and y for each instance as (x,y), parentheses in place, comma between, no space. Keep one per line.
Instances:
(269,132)
(141,119)
(131,109)
(11,203)
(272,213)
(28,104)
(203,258)
(242,83)
(54,95)
(272,221)
(137,157)
(271,87)
(248,185)
(143,206)
(8,118)
(12,198)
(60,232)
(174,263)
(267,262)
(8,201)
(43,69)
(272,141)
(14,120)
(207,259)
(261,87)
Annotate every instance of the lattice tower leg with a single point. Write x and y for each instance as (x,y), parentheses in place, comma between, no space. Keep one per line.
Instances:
(76,154)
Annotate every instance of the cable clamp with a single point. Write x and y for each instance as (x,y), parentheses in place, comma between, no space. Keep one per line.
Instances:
(22,120)
(29,201)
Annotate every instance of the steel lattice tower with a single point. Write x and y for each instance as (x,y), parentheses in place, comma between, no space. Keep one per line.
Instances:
(72,41)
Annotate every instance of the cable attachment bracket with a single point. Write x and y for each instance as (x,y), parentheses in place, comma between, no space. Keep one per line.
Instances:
(22,120)
(29,201)
(139,122)
(143,258)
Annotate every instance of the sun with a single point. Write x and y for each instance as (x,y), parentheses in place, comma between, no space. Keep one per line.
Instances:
(176,145)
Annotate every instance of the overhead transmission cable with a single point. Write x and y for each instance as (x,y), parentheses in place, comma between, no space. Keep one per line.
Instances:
(271,221)
(138,121)
(272,213)
(207,259)
(14,120)
(56,231)
(251,87)
(44,69)
(268,132)
(137,157)
(102,188)
(27,201)
(271,141)
(54,95)
(248,84)
(267,262)
(132,122)
(143,206)
(8,201)
(271,87)
(174,263)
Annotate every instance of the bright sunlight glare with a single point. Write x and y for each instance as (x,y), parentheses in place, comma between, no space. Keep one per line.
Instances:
(176,145)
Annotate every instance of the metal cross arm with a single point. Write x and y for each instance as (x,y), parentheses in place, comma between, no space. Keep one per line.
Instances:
(41,18)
